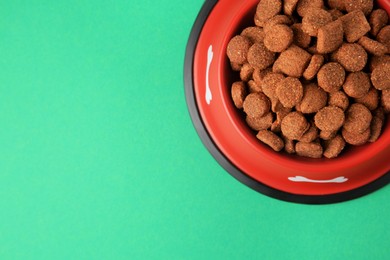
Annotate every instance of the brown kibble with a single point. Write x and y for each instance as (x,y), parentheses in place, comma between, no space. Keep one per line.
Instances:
(281,113)
(357,84)
(235,66)
(330,37)
(327,135)
(329,118)
(254,34)
(375,61)
(258,75)
(334,147)
(266,9)
(289,6)
(386,100)
(380,76)
(314,98)
(365,6)
(238,93)
(292,61)
(271,139)
(372,46)
(260,123)
(337,4)
(370,100)
(378,19)
(313,49)
(384,37)
(331,77)
(336,14)
(310,135)
(356,138)
(304,6)
(289,146)
(278,38)
(314,66)
(339,99)
(294,125)
(246,72)
(289,92)
(355,25)
(301,38)
(351,56)
(277,20)
(256,105)
(358,119)
(254,87)
(260,57)
(270,82)
(376,125)
(314,20)
(310,150)
(237,49)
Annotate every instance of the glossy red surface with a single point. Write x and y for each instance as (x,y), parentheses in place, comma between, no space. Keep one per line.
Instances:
(226,126)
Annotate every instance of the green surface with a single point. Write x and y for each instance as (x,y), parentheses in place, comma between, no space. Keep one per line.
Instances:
(99,158)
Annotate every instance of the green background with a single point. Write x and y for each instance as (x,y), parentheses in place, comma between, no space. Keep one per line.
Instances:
(99,158)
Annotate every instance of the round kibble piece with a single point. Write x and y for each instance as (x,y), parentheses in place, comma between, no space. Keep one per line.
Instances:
(378,19)
(375,61)
(260,57)
(357,84)
(314,98)
(351,56)
(289,92)
(266,9)
(370,100)
(329,118)
(386,100)
(327,135)
(374,47)
(238,93)
(310,150)
(384,37)
(301,38)
(314,66)
(256,105)
(246,72)
(304,6)
(376,127)
(310,135)
(254,34)
(334,147)
(260,123)
(365,6)
(356,138)
(276,20)
(271,139)
(380,77)
(314,20)
(339,99)
(269,84)
(278,38)
(294,125)
(237,49)
(358,118)
(331,77)
(254,87)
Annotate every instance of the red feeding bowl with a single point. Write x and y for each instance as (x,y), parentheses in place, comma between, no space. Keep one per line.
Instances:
(208,77)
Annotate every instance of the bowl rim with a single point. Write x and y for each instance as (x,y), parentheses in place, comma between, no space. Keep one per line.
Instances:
(207,140)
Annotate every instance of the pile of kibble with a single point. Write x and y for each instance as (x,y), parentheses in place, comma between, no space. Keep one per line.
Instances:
(315,75)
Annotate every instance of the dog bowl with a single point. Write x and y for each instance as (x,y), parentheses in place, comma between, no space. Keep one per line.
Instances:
(208,77)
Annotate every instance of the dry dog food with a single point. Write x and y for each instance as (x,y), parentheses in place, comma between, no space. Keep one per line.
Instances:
(313,76)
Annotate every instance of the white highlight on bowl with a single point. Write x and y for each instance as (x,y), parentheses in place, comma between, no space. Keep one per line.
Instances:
(341,179)
(210,55)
